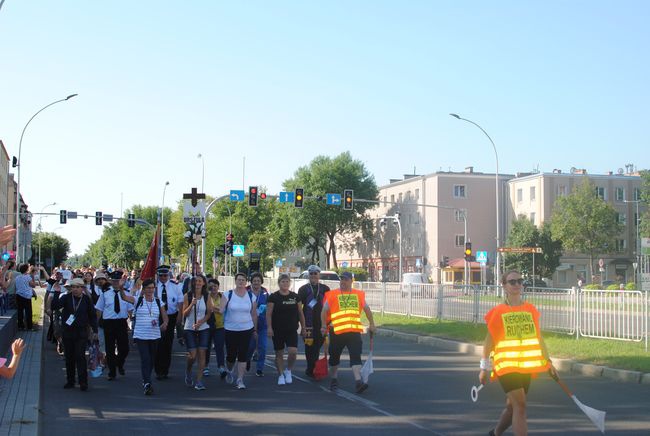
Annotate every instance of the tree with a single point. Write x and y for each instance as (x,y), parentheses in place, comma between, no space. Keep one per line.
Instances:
(317,222)
(585,223)
(54,248)
(525,234)
(645,201)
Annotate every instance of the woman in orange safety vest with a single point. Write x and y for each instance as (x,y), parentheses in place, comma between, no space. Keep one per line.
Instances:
(518,351)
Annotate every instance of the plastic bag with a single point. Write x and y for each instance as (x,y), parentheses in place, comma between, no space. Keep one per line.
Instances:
(94,356)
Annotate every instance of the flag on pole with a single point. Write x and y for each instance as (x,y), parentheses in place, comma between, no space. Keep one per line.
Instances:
(151,264)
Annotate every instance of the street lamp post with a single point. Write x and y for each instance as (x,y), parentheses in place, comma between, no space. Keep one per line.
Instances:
(40,230)
(200,156)
(162,224)
(19,164)
(496,182)
(637,243)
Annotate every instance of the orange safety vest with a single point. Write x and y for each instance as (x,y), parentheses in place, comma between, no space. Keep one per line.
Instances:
(345,310)
(516,335)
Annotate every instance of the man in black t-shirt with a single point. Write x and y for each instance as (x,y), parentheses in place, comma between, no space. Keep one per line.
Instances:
(311,296)
(283,314)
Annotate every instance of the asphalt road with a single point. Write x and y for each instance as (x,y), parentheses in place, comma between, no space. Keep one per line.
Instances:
(415,390)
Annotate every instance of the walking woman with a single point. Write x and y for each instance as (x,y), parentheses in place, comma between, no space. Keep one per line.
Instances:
(239,309)
(150,319)
(217,331)
(197,310)
(283,312)
(518,351)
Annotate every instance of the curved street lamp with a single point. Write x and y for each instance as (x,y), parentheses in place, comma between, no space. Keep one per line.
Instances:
(19,164)
(496,182)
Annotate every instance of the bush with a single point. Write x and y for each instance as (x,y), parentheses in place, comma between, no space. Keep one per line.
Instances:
(592,286)
(360,274)
(630,286)
(613,287)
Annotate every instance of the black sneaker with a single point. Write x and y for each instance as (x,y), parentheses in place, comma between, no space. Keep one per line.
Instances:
(259,373)
(334,384)
(111,377)
(309,373)
(83,387)
(148,390)
(121,370)
(491,433)
(68,385)
(360,386)
(223,373)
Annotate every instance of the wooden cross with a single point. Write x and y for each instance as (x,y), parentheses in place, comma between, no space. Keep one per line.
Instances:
(194,196)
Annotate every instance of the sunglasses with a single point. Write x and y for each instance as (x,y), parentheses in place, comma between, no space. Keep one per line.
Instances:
(313,274)
(513,282)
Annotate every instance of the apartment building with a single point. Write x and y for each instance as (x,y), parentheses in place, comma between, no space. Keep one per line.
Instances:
(4,185)
(534,196)
(432,210)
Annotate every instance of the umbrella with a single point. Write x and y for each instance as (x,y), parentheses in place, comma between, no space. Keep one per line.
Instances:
(367,367)
(320,368)
(596,416)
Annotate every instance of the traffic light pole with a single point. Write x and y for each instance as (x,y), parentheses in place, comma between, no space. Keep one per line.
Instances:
(205,229)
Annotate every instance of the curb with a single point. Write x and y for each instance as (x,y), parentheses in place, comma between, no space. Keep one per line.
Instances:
(561,364)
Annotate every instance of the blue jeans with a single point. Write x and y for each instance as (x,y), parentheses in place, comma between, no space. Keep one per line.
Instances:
(218,340)
(147,349)
(261,349)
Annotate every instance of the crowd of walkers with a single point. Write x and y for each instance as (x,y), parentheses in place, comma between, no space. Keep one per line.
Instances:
(115,309)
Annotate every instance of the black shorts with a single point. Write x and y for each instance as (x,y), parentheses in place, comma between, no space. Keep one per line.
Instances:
(515,380)
(350,340)
(284,338)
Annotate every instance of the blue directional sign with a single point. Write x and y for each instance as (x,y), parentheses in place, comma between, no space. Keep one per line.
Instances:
(286,197)
(278,263)
(236,195)
(334,199)
(481,256)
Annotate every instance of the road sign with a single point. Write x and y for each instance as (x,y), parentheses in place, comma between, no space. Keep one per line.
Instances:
(193,213)
(286,197)
(481,256)
(237,195)
(334,199)
(72,215)
(601,263)
(520,250)
(238,251)
(278,263)
(344,264)
(108,218)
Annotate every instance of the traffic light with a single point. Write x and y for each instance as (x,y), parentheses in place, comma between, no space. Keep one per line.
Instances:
(348,199)
(262,195)
(252,196)
(468,251)
(229,247)
(219,249)
(298,197)
(445,261)
(98,218)
(63,216)
(131,220)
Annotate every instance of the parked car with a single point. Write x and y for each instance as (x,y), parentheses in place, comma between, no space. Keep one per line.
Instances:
(539,283)
(303,278)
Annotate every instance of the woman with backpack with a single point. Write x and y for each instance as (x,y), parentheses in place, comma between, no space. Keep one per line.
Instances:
(197,310)
(150,319)
(239,310)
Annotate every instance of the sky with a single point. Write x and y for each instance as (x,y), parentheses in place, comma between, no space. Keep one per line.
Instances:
(556,84)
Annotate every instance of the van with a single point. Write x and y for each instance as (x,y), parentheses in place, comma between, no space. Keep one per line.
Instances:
(409,279)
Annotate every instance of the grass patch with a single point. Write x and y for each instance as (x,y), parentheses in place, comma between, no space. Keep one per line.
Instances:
(37,310)
(611,353)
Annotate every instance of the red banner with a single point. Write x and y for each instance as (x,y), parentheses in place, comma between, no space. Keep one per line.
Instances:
(151,264)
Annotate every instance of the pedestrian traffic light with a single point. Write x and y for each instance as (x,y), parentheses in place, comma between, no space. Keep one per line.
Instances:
(252,196)
(63,216)
(98,218)
(262,195)
(229,246)
(468,251)
(131,220)
(348,199)
(298,197)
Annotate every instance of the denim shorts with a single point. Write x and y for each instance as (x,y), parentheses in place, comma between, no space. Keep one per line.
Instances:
(197,339)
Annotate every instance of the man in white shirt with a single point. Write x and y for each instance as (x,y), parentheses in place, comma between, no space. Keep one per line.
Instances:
(171,296)
(114,310)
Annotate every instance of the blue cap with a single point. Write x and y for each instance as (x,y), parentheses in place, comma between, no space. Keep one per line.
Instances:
(347,275)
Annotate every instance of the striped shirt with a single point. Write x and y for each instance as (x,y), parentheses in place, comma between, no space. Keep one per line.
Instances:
(145,315)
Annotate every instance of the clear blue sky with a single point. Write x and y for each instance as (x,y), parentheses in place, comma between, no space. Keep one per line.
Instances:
(556,84)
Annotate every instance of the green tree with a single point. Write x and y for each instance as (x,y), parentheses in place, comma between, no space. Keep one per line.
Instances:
(54,248)
(645,202)
(525,234)
(585,223)
(317,223)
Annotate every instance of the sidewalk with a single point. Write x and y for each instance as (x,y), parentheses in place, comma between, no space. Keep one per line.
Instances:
(562,365)
(20,396)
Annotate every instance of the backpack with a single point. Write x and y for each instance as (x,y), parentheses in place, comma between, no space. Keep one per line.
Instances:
(139,303)
(250,296)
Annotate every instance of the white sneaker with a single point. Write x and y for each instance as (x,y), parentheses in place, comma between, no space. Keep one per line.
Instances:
(281,380)
(287,376)
(240,384)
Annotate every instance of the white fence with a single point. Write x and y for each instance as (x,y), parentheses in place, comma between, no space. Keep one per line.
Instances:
(617,315)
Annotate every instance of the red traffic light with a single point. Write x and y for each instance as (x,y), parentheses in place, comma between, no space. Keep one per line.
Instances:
(263,195)
(253,190)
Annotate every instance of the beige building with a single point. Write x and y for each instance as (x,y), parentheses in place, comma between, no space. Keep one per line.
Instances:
(4,185)
(534,196)
(431,209)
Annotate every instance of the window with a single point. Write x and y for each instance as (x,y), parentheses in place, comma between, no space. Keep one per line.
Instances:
(460,214)
(620,245)
(532,217)
(408,196)
(460,240)
(417,218)
(459,191)
(392,198)
(637,194)
(399,199)
(600,192)
(621,218)
(417,194)
(561,190)
(393,244)
(561,277)
(384,200)
(418,243)
(620,194)
(532,193)
(520,195)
